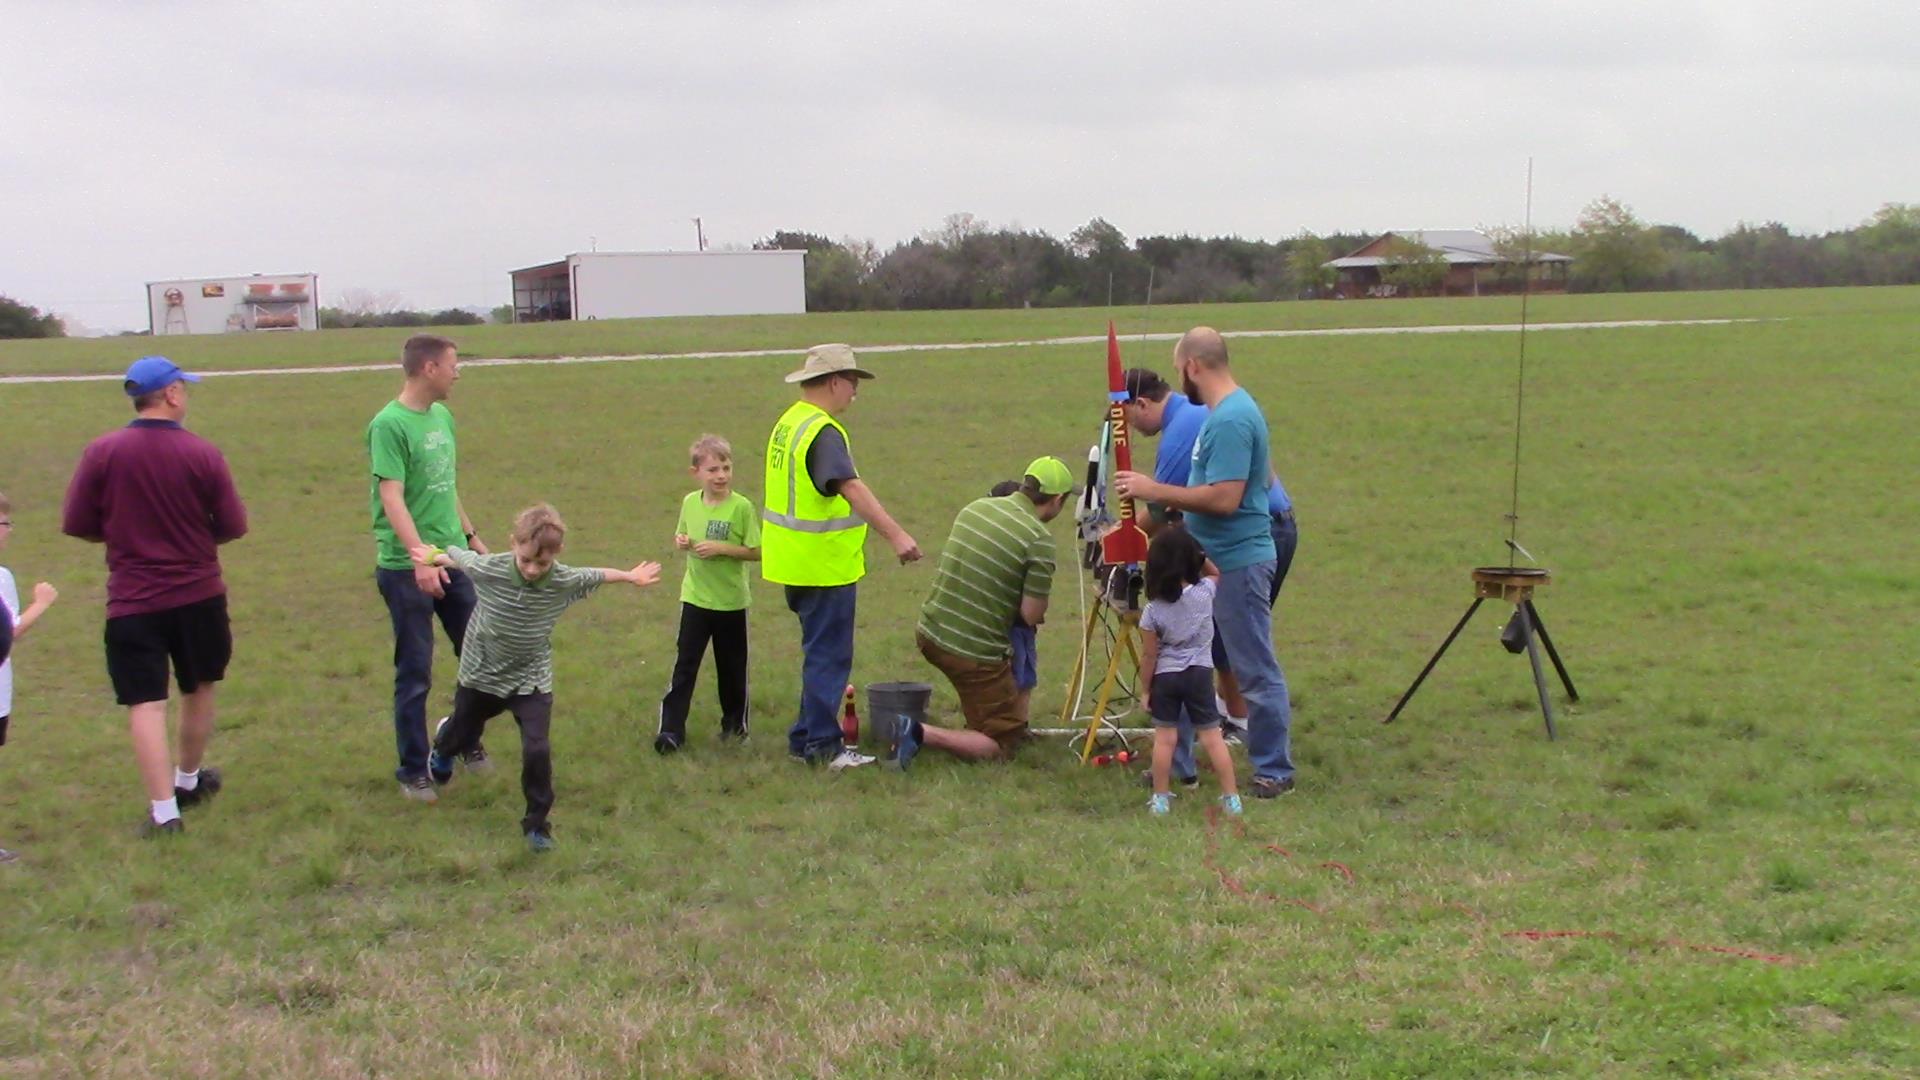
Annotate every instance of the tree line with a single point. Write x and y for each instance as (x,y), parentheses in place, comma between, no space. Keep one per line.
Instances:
(968,264)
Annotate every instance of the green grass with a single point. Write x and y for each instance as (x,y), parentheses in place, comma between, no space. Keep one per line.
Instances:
(209,352)
(1727,512)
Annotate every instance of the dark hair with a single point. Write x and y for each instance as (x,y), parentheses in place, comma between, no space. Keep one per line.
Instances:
(421,348)
(1144,383)
(1174,561)
(1004,488)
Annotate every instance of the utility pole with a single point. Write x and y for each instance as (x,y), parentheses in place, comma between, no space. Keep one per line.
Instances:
(700,234)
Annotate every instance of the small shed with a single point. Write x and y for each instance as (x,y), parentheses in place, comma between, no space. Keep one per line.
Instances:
(231,305)
(650,284)
(1474,266)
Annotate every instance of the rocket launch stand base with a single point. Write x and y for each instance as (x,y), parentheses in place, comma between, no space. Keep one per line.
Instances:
(1125,643)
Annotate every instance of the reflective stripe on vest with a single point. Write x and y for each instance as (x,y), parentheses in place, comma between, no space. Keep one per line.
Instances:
(790,520)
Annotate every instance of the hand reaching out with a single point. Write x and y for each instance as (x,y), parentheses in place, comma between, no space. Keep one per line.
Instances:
(45,594)
(647,573)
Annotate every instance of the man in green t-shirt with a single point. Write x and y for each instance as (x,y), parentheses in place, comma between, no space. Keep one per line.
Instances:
(719,529)
(415,502)
(997,565)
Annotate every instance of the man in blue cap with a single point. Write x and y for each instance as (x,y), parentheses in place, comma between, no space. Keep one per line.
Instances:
(162,501)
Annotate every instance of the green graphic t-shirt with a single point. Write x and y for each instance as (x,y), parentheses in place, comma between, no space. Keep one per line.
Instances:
(717,584)
(415,448)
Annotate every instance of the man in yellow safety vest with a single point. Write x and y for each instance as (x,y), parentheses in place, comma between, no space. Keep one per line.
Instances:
(813,532)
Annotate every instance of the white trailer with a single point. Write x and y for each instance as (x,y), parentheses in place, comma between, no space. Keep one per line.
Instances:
(234,304)
(649,284)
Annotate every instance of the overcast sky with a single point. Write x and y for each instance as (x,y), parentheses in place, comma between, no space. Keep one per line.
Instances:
(426,149)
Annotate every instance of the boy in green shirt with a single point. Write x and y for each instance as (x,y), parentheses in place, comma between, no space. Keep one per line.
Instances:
(506,662)
(720,529)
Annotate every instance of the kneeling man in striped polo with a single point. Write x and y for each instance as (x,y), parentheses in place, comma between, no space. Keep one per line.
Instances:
(997,567)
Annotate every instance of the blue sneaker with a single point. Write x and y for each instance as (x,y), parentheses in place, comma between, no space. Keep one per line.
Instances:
(1160,804)
(906,744)
(1230,804)
(540,841)
(440,767)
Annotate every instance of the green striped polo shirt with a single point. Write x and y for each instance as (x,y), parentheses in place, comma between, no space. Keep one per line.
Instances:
(508,647)
(998,552)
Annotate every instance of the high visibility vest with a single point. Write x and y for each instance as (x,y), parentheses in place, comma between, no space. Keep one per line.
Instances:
(807,538)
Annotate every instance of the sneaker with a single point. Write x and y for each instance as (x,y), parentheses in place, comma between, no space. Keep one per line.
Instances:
(1160,803)
(207,788)
(849,759)
(733,735)
(540,840)
(1230,804)
(477,761)
(420,789)
(1266,787)
(666,743)
(1234,736)
(440,768)
(1188,782)
(8,856)
(150,828)
(907,745)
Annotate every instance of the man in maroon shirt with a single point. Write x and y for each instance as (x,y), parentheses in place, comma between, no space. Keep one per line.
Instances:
(162,500)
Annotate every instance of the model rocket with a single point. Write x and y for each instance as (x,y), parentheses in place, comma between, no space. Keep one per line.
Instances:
(1126,544)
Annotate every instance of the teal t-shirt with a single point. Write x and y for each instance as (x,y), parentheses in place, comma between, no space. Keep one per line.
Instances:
(1233,446)
(718,584)
(415,448)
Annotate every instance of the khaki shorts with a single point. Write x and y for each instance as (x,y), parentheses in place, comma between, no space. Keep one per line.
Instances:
(988,698)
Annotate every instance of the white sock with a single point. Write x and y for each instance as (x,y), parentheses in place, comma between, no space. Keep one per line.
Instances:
(186,781)
(165,810)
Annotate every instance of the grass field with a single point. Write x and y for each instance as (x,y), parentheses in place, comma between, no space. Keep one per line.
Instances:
(1727,511)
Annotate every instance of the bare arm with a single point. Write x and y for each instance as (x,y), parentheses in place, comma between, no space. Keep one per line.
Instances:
(466,527)
(1218,499)
(1149,655)
(1033,610)
(43,597)
(642,575)
(720,549)
(867,505)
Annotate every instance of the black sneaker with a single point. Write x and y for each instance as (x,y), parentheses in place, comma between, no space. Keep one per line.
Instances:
(208,787)
(733,735)
(1266,787)
(150,828)
(476,761)
(666,743)
(540,840)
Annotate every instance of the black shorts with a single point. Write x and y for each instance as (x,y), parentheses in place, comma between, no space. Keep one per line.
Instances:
(1185,694)
(195,637)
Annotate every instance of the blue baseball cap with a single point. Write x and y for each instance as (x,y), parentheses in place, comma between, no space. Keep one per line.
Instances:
(150,373)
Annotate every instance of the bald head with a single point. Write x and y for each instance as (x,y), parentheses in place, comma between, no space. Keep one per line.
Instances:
(1204,346)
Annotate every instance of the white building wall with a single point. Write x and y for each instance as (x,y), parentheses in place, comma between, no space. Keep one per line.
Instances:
(218,305)
(633,285)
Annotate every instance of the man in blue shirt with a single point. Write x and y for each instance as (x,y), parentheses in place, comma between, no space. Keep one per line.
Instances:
(1154,408)
(1227,504)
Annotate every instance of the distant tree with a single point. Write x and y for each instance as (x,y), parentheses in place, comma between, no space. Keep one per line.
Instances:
(1307,267)
(1613,251)
(501,314)
(17,320)
(1412,267)
(1110,267)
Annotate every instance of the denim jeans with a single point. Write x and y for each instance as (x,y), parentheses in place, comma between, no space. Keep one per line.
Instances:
(1286,539)
(1243,617)
(413,612)
(826,651)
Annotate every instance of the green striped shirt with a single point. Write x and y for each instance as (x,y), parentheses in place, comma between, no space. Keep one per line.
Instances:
(998,552)
(508,647)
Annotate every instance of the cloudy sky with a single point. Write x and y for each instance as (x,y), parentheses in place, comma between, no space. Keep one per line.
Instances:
(425,149)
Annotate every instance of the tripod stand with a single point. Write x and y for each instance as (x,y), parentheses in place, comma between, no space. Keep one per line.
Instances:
(1515,585)
(1126,642)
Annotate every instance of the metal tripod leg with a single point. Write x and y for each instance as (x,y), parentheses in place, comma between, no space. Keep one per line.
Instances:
(1553,654)
(1422,677)
(1533,655)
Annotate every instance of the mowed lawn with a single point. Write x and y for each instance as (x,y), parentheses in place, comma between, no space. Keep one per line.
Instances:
(1728,821)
